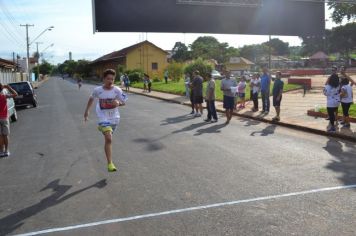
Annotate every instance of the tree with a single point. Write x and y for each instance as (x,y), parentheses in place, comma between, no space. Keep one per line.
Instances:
(175,71)
(314,44)
(208,47)
(278,46)
(342,39)
(342,11)
(254,52)
(180,52)
(83,68)
(199,65)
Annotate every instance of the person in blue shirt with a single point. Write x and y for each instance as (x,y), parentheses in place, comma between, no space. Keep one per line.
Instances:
(265,90)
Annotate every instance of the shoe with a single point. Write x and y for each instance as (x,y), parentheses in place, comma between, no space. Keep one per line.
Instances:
(346,126)
(192,113)
(327,118)
(214,121)
(331,130)
(197,115)
(275,118)
(5,154)
(342,122)
(207,120)
(111,167)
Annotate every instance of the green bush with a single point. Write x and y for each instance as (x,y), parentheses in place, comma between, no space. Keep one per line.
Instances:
(202,66)
(175,71)
(135,75)
(156,79)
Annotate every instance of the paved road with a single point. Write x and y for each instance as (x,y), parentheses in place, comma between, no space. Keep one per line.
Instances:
(167,160)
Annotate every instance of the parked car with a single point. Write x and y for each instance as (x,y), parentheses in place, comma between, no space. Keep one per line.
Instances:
(26,94)
(10,106)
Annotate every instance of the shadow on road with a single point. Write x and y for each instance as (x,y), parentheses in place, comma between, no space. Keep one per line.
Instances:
(345,162)
(12,222)
(269,130)
(153,145)
(177,119)
(211,130)
(191,127)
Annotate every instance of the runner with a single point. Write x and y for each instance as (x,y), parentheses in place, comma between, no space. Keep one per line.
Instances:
(109,97)
(198,93)
(4,120)
(79,83)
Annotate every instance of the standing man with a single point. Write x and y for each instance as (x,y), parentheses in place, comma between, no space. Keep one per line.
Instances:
(210,100)
(277,95)
(127,82)
(198,93)
(229,96)
(4,120)
(265,90)
(109,98)
(166,76)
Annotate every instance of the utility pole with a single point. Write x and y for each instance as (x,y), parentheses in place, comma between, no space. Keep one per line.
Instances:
(28,48)
(269,53)
(38,61)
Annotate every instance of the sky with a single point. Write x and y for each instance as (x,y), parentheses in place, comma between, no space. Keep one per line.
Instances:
(73,31)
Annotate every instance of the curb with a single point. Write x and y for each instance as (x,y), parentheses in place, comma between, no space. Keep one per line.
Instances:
(324,115)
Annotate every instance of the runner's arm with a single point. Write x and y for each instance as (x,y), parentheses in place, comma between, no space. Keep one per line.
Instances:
(90,103)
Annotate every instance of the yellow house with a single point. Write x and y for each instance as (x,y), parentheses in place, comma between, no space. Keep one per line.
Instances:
(236,64)
(145,56)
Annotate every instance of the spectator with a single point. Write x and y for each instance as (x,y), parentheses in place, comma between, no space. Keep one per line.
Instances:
(346,101)
(4,120)
(210,100)
(145,83)
(277,92)
(149,84)
(343,75)
(334,76)
(198,93)
(265,90)
(126,80)
(255,89)
(229,96)
(241,87)
(166,76)
(332,91)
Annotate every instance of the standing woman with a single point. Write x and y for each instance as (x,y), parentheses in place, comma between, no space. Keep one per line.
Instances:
(255,89)
(343,75)
(332,92)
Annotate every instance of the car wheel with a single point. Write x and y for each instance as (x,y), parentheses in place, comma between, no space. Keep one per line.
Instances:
(34,103)
(14,117)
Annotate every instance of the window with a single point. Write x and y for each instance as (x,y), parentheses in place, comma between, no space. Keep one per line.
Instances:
(154,66)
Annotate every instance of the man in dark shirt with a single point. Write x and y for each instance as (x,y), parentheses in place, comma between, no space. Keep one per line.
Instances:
(277,95)
(197,86)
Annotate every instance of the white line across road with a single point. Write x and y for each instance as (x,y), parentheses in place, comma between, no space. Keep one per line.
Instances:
(222,204)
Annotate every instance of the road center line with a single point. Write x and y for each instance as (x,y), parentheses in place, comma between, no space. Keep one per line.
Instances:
(138,217)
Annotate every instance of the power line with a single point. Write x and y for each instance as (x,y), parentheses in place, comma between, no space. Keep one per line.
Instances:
(11,36)
(10,19)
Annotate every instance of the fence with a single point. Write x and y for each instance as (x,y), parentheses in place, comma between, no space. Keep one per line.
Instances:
(7,77)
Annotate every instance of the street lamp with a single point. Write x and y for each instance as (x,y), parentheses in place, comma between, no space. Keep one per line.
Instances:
(28,43)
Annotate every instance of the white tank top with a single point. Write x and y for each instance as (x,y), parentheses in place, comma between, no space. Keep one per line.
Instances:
(349,96)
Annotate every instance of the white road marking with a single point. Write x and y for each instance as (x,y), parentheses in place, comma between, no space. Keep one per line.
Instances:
(138,217)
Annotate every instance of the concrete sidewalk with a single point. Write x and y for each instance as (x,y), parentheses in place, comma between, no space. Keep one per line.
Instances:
(293,111)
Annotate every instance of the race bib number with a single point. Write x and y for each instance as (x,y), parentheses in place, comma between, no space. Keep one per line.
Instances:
(106,104)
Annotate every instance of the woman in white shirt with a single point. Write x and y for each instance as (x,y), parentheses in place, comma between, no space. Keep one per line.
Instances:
(346,101)
(332,92)
(255,89)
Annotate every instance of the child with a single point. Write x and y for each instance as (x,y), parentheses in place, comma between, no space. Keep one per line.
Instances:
(241,91)
(126,80)
(4,120)
(109,97)
(255,89)
(332,92)
(346,101)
